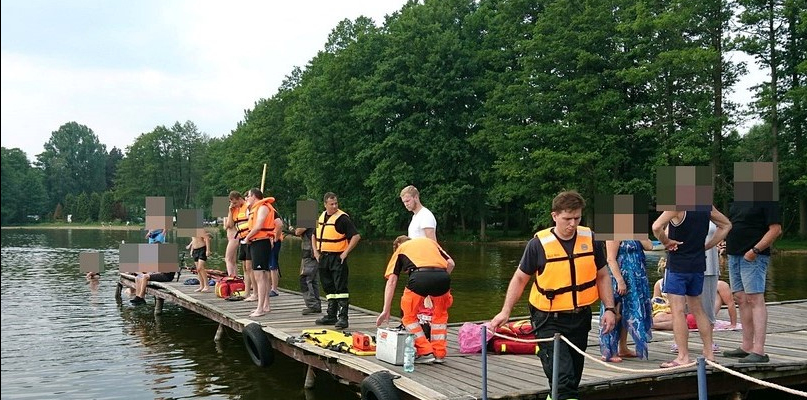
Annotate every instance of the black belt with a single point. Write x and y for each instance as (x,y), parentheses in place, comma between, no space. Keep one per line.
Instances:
(429,269)
(577,310)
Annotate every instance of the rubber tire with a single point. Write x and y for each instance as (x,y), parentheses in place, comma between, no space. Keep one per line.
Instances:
(258,346)
(379,386)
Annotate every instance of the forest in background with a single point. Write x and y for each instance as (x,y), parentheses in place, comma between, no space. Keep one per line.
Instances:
(489,107)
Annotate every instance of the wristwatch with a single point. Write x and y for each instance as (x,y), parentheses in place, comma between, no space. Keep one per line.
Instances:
(756,250)
(611,309)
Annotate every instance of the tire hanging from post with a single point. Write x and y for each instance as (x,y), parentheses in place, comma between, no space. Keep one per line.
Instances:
(379,386)
(258,345)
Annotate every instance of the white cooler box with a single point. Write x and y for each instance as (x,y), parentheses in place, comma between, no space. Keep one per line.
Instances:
(390,344)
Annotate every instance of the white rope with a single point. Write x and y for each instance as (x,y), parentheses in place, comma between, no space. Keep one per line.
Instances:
(611,365)
(677,367)
(755,380)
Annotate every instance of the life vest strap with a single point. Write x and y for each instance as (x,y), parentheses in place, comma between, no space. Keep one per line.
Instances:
(570,257)
(551,293)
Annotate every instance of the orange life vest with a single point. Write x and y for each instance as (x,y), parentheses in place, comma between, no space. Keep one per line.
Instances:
(327,238)
(268,228)
(240,220)
(568,281)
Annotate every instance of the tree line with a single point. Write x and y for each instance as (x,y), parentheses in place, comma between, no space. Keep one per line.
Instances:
(489,107)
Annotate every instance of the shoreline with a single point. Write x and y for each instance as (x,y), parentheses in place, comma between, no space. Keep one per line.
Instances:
(216,228)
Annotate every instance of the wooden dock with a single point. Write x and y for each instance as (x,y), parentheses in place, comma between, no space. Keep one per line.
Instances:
(509,376)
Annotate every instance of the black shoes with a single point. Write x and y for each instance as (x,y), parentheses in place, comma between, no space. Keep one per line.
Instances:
(307,311)
(138,300)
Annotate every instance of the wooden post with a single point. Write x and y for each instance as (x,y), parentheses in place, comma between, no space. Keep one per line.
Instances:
(118,289)
(263,177)
(219,333)
(158,306)
(309,378)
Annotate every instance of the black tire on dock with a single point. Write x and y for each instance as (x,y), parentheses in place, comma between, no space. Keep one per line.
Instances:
(258,346)
(379,386)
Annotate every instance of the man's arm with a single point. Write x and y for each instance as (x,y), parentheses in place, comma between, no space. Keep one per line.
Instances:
(774,230)
(658,230)
(207,243)
(607,319)
(354,240)
(514,291)
(723,228)
(389,293)
(431,233)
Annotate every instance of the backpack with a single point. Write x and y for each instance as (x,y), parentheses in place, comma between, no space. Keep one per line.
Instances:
(229,286)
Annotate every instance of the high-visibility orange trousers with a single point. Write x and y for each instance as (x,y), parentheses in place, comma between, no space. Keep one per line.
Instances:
(410,303)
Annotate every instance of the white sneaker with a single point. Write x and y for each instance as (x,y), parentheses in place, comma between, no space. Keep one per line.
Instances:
(438,360)
(425,359)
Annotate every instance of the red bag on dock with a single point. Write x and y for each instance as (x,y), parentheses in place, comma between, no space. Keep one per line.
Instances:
(517,330)
(227,286)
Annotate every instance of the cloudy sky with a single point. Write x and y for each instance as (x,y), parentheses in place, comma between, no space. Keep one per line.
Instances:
(124,68)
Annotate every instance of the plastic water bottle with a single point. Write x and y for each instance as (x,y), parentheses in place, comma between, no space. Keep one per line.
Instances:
(409,353)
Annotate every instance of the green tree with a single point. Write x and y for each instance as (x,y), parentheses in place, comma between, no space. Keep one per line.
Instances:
(106,208)
(22,191)
(74,161)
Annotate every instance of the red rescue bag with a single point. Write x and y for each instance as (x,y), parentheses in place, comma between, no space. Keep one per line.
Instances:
(229,286)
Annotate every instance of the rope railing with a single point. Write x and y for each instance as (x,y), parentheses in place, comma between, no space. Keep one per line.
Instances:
(644,370)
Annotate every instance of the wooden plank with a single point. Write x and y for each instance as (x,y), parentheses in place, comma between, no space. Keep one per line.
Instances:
(509,376)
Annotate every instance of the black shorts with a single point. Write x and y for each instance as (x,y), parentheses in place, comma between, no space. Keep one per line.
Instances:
(199,254)
(161,276)
(435,282)
(261,254)
(243,252)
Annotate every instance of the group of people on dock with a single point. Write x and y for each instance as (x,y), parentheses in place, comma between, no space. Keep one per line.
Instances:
(571,269)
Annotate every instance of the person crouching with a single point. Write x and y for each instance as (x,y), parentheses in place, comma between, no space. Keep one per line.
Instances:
(429,268)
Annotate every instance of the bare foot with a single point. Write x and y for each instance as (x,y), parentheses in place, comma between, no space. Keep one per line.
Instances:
(198,290)
(207,289)
(251,298)
(256,314)
(614,359)
(267,310)
(627,354)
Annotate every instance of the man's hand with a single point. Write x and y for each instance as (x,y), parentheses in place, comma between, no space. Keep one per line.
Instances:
(607,321)
(382,318)
(499,320)
(672,245)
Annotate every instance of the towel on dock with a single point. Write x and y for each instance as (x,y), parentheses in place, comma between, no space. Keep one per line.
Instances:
(720,324)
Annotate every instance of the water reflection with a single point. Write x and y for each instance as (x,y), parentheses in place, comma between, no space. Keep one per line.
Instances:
(65,337)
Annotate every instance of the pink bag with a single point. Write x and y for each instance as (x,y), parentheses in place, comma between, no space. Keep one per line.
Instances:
(470,337)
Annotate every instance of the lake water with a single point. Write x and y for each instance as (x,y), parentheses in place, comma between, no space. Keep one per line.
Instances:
(64,338)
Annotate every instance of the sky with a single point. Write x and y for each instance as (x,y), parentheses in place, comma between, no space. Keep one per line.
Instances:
(124,68)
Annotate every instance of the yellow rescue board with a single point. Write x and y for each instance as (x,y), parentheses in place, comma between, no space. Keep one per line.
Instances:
(333,340)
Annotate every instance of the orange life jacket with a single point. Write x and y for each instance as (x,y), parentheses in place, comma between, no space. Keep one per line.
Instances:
(568,281)
(268,228)
(240,220)
(327,238)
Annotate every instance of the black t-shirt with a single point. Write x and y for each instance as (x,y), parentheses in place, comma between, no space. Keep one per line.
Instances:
(344,225)
(749,223)
(534,258)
